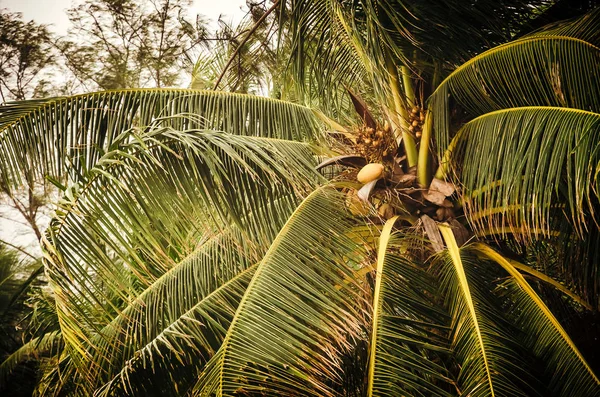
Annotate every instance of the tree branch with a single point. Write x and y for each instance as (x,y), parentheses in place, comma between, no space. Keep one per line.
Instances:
(250,33)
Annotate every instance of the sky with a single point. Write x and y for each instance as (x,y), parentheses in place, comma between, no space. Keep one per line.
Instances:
(52,12)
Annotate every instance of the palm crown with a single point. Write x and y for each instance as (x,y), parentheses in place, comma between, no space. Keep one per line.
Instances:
(212,243)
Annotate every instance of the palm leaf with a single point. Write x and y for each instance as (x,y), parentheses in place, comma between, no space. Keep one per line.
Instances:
(565,260)
(584,27)
(164,306)
(146,205)
(50,136)
(536,70)
(407,327)
(469,307)
(299,313)
(491,360)
(35,348)
(322,38)
(333,53)
(518,165)
(169,363)
(570,373)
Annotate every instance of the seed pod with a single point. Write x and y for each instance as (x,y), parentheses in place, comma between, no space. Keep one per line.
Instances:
(370,172)
(375,143)
(415,123)
(418,134)
(367,141)
(379,134)
(415,109)
(370,131)
(411,128)
(422,116)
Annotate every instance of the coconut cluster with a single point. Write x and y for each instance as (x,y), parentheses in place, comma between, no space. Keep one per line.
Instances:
(375,143)
(416,120)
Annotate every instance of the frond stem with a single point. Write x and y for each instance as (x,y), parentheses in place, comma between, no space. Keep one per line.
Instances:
(424,164)
(399,114)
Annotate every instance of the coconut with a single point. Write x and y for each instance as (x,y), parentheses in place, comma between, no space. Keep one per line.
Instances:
(370,172)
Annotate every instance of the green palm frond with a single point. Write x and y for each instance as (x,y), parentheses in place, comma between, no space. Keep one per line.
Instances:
(44,345)
(299,313)
(323,37)
(408,328)
(518,165)
(571,374)
(448,34)
(163,307)
(584,27)
(517,346)
(253,67)
(536,70)
(489,356)
(147,204)
(170,362)
(51,136)
(566,260)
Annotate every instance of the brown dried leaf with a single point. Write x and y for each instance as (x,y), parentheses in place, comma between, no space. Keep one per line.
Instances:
(433,233)
(361,109)
(435,197)
(446,188)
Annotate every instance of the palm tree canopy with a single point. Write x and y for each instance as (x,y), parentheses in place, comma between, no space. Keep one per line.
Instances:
(202,247)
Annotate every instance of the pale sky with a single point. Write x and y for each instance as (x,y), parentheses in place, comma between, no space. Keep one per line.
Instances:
(52,12)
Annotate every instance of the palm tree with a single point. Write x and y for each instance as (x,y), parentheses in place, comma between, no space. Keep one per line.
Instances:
(211,243)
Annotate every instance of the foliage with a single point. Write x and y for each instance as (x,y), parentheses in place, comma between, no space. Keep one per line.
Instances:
(212,243)
(25,52)
(254,60)
(126,44)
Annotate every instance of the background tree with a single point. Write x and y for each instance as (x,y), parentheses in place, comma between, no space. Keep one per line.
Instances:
(127,44)
(250,51)
(25,54)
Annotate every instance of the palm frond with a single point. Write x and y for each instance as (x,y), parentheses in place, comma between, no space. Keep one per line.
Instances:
(408,328)
(564,259)
(146,205)
(299,313)
(536,70)
(584,27)
(48,344)
(164,306)
(399,26)
(326,54)
(570,373)
(55,135)
(253,66)
(448,32)
(170,362)
(491,360)
(519,165)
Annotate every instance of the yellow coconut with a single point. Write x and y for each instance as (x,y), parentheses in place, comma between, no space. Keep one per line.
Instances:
(370,172)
